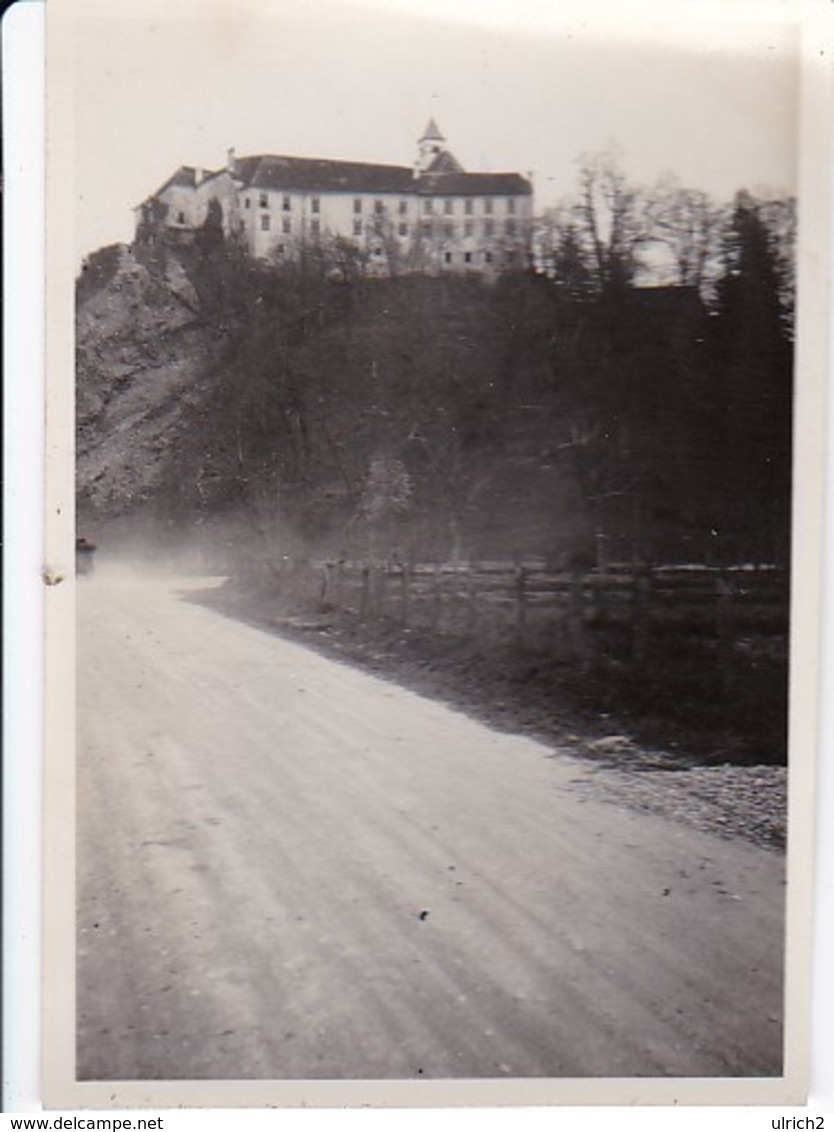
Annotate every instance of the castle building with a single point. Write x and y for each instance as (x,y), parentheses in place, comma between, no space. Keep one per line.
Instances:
(433,217)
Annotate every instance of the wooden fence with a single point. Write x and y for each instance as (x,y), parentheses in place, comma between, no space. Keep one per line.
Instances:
(621,613)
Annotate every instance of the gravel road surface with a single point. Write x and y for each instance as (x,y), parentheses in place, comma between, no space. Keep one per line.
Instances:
(288,868)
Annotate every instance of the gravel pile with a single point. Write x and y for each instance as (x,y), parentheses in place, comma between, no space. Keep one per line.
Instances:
(733,801)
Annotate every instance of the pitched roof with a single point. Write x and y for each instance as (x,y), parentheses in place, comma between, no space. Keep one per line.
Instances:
(308,174)
(473,184)
(185,176)
(431,132)
(444,162)
(319,175)
(268,172)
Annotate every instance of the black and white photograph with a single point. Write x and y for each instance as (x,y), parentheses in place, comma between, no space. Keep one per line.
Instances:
(431,383)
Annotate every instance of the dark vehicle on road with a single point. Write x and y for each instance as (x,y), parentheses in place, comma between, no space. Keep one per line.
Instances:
(83,556)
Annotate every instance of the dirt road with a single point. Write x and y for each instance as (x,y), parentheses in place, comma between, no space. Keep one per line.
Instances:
(290,869)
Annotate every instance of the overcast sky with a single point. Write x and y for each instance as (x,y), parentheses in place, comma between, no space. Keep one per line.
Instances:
(513,85)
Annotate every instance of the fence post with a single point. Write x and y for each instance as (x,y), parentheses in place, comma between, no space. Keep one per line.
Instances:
(579,633)
(380,585)
(520,600)
(365,594)
(324,584)
(437,598)
(405,582)
(472,601)
(641,614)
(725,629)
(338,589)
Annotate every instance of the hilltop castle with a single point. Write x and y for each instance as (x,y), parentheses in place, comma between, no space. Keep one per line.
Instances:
(432,217)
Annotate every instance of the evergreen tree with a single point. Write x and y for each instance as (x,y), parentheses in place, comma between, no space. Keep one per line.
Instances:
(752,375)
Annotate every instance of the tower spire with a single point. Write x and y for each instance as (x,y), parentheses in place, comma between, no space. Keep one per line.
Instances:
(432,132)
(431,143)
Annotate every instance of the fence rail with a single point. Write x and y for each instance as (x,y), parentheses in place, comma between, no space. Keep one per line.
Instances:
(622,612)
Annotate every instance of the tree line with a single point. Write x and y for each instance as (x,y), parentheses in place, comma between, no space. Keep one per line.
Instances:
(616,234)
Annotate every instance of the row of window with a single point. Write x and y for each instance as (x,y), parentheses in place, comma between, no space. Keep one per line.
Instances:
(427,227)
(467,258)
(450,229)
(468,206)
(476,258)
(379,206)
(286,225)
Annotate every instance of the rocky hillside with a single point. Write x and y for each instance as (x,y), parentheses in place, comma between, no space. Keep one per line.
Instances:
(142,352)
(352,413)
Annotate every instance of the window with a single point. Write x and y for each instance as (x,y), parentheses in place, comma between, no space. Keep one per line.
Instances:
(403,207)
(509,227)
(467,206)
(427,207)
(426,226)
(180,218)
(265,223)
(377,251)
(467,257)
(511,205)
(468,228)
(315,228)
(357,227)
(403,229)
(247,203)
(286,202)
(286,225)
(447,257)
(280,249)
(379,207)
(448,207)
(263,200)
(316,205)
(448,230)
(488,257)
(357,204)
(488,207)
(489,227)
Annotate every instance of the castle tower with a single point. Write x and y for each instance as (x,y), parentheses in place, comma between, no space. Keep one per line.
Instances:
(431,143)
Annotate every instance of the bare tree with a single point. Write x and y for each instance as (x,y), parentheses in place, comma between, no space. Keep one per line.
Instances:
(690,226)
(565,256)
(383,244)
(386,494)
(610,220)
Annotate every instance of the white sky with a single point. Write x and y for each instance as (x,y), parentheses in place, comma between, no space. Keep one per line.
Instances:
(513,86)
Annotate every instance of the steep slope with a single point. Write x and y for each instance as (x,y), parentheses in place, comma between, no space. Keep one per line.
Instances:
(142,351)
(208,386)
